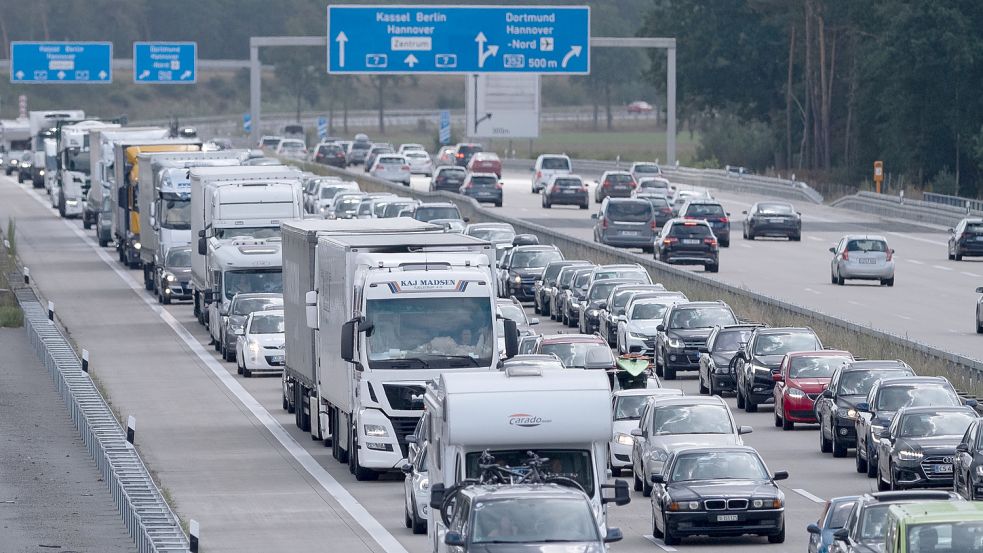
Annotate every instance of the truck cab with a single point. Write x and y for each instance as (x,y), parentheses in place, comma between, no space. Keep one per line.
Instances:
(74,161)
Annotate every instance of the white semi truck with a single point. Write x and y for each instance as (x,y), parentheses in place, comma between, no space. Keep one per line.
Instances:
(15,139)
(75,176)
(164,194)
(392,305)
(42,124)
(561,415)
(236,214)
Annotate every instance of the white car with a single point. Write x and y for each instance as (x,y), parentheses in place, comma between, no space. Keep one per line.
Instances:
(260,346)
(626,405)
(391,167)
(546,166)
(323,201)
(293,148)
(416,491)
(642,169)
(404,148)
(420,162)
(654,186)
(638,332)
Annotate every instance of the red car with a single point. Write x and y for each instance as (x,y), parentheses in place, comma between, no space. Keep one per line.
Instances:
(802,376)
(639,106)
(485,162)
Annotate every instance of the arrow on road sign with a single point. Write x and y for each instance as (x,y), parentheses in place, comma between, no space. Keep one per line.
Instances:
(19,75)
(574,51)
(60,74)
(185,75)
(483,54)
(103,75)
(341,39)
(144,74)
(411,60)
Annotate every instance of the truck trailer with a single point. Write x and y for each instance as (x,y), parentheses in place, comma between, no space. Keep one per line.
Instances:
(42,124)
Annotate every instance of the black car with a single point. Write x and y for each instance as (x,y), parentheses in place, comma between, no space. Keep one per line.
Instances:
(772,219)
(662,207)
(483,187)
(596,301)
(358,152)
(565,190)
(447,177)
(526,265)
(711,211)
(331,154)
(966,466)
(757,363)
(684,242)
(173,278)
(614,184)
(966,239)
(864,529)
(836,407)
(614,308)
(625,223)
(716,371)
(543,288)
(569,305)
(464,151)
(717,491)
(683,337)
(918,449)
(885,399)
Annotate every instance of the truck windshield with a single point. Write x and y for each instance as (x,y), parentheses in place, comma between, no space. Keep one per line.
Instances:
(77,161)
(430,333)
(175,214)
(534,520)
(575,464)
(247,232)
(248,282)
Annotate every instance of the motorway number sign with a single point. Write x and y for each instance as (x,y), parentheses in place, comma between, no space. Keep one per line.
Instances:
(61,62)
(459,39)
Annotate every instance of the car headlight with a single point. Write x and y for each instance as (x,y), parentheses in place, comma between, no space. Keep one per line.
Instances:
(674,343)
(253,348)
(517,279)
(910,455)
(624,439)
(876,429)
(41,172)
(136,246)
(796,393)
(637,336)
(375,430)
(845,413)
(169,277)
(424,484)
(237,328)
(770,503)
(592,312)
(979,471)
(684,506)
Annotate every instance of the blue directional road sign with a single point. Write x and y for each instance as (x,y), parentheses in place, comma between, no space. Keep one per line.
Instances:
(165,62)
(61,62)
(445,127)
(322,127)
(247,123)
(459,39)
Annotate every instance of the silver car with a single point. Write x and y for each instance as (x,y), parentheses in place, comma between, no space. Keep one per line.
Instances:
(669,423)
(862,257)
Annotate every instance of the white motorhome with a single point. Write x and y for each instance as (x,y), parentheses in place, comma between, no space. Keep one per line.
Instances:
(15,139)
(238,209)
(410,305)
(42,124)
(50,173)
(74,176)
(564,416)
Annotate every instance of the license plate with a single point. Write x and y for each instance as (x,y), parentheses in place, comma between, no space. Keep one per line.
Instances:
(574,191)
(943,469)
(979,238)
(277,358)
(690,241)
(726,518)
(778,220)
(629,233)
(864,261)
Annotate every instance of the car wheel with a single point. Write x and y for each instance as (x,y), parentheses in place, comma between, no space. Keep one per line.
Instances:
(749,405)
(750,235)
(710,390)
(778,420)
(861,464)
(824,445)
(740,398)
(646,489)
(584,206)
(958,257)
(839,449)
(407,521)
(796,238)
(779,537)
(668,537)
(979,327)
(725,243)
(240,369)
(888,281)
(637,482)
(787,424)
(895,485)
(832,278)
(871,465)
(669,372)
(498,204)
(419,524)
(715,268)
(703,388)
(615,472)
(547,205)
(949,255)
(882,485)
(840,280)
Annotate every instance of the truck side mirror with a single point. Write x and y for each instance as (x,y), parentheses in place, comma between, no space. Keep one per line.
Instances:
(310,309)
(348,340)
(613,535)
(621,494)
(511,338)
(436,496)
(202,246)
(209,296)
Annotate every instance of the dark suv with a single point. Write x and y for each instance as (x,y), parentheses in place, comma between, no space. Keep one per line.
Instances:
(525,265)
(836,407)
(483,187)
(614,184)
(447,177)
(716,370)
(568,308)
(966,239)
(464,151)
(544,287)
(627,222)
(595,302)
(712,212)
(683,337)
(330,154)
(688,242)
(757,363)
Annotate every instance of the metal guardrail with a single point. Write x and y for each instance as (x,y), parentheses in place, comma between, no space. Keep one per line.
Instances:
(148,518)
(886,205)
(967,204)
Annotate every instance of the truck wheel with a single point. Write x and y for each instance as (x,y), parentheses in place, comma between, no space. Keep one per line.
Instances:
(361,473)
(103,242)
(148,281)
(86,222)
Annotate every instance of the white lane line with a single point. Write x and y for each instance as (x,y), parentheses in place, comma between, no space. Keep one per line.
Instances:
(942,268)
(816,238)
(808,495)
(926,240)
(852,302)
(969,274)
(905,317)
(658,543)
(344,498)
(748,246)
(916,262)
(811,291)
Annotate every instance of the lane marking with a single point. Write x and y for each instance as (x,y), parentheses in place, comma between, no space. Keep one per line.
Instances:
(969,274)
(926,240)
(808,495)
(816,238)
(852,302)
(905,317)
(811,291)
(916,262)
(659,543)
(942,268)
(743,245)
(345,499)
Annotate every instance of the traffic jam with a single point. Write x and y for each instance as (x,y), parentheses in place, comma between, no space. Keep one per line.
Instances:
(410,341)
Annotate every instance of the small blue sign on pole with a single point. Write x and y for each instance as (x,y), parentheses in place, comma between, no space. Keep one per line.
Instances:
(61,62)
(165,62)
(459,39)
(445,127)
(322,127)
(247,123)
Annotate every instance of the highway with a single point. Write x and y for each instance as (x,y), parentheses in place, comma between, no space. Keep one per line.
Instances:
(229,456)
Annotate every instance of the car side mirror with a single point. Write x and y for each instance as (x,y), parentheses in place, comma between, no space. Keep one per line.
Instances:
(466,219)
(661,328)
(979,290)
(407,469)
(863,406)
(637,432)
(962,448)
(741,430)
(952,231)
(780,475)
(657,478)
(202,246)
(348,340)
(593,215)
(728,213)
(827,393)
(832,250)
(841,535)
(437,495)
(971,403)
(533,321)
(814,529)
(455,539)
(885,435)
(411,439)
(777,377)
(744,212)
(613,535)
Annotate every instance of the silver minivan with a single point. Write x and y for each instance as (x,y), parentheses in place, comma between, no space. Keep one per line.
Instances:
(626,223)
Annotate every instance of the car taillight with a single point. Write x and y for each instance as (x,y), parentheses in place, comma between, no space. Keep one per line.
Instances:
(499,185)
(964,236)
(583,188)
(604,223)
(460,156)
(633,184)
(670,240)
(539,174)
(846,256)
(607,184)
(710,241)
(723,219)
(406,168)
(469,186)
(890,254)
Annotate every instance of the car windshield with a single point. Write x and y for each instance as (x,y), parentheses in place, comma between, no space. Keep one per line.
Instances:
(872,523)
(600,290)
(581,280)
(391,160)
(839,515)
(270,142)
(638,275)
(866,246)
(705,210)
(514,312)
(245,306)
(568,183)
(892,398)
(571,354)
(556,164)
(416,154)
(926,425)
(362,146)
(430,333)
(731,340)
(950,537)
(701,317)
(178,257)
(266,324)
(347,204)
(654,184)
(534,259)
(486,182)
(393,209)
(629,407)
(576,464)
(455,173)
(775,209)
(552,270)
(815,367)
(292,146)
(175,214)
(648,311)
(246,232)
(718,465)
(684,231)
(691,419)
(621,300)
(638,211)
(647,169)
(429,213)
(533,520)
(780,344)
(858,383)
(619,178)
(248,282)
